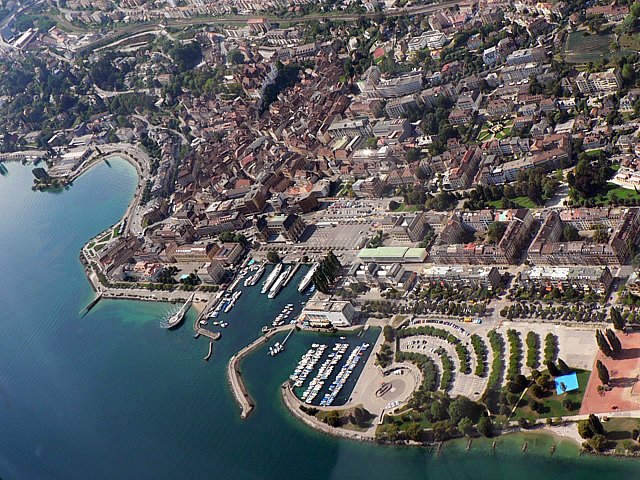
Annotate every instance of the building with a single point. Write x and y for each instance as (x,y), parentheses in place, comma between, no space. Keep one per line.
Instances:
(392,275)
(409,228)
(507,250)
(229,253)
(192,253)
(586,279)
(527,55)
(606,82)
(327,313)
(590,218)
(392,255)
(486,277)
(351,128)
(216,272)
(286,227)
(546,249)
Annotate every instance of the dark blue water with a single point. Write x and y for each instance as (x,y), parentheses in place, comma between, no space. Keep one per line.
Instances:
(113,396)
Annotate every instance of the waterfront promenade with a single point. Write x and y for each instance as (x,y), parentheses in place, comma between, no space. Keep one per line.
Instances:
(234,375)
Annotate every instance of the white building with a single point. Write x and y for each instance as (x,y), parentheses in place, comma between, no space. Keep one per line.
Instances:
(327,313)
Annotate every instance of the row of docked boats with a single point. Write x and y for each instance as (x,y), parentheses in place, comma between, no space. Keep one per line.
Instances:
(308,278)
(283,316)
(251,280)
(279,283)
(343,375)
(271,278)
(324,372)
(307,364)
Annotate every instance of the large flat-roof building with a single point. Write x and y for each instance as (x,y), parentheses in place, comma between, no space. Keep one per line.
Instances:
(488,277)
(393,255)
(328,313)
(595,279)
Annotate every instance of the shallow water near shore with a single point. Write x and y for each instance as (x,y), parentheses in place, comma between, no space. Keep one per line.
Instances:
(113,396)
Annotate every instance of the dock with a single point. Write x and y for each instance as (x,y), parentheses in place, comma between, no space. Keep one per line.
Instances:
(91,304)
(199,330)
(234,375)
(208,355)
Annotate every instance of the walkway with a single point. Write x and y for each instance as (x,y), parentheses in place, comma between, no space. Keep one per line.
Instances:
(234,374)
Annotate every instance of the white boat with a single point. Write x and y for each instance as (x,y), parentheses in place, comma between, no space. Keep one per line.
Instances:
(306,280)
(275,289)
(253,279)
(271,278)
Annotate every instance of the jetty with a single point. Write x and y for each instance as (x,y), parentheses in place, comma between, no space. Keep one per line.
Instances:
(208,355)
(234,375)
(198,329)
(92,303)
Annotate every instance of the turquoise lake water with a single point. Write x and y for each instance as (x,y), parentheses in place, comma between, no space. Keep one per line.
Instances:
(113,396)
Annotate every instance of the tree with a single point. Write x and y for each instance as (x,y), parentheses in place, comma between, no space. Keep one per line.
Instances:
(333,418)
(463,407)
(485,427)
(603,372)
(570,233)
(273,257)
(598,442)
(584,429)
(414,432)
(465,425)
(361,416)
(553,370)
(595,425)
(614,341)
(564,368)
(616,319)
(235,56)
(603,344)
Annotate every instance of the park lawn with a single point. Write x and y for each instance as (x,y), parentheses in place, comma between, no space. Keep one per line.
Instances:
(631,42)
(99,246)
(618,432)
(524,202)
(553,404)
(615,167)
(618,191)
(495,203)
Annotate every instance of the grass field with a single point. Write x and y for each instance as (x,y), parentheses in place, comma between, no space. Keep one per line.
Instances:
(486,134)
(523,202)
(618,191)
(618,433)
(582,47)
(630,42)
(552,405)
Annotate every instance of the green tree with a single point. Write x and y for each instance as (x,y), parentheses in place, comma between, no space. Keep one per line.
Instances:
(465,425)
(603,372)
(595,425)
(485,427)
(584,429)
(564,368)
(603,344)
(273,257)
(616,318)
(333,418)
(414,432)
(614,341)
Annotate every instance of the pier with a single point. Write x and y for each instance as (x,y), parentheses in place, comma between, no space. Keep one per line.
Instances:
(91,304)
(177,318)
(234,374)
(203,331)
(208,355)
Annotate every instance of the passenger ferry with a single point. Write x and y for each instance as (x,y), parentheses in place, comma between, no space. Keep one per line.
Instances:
(271,278)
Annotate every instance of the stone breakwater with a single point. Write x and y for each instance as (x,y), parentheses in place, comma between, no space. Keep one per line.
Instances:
(234,374)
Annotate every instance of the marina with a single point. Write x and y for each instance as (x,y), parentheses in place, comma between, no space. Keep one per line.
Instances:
(324,382)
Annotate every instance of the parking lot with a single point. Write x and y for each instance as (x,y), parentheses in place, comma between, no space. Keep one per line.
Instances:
(470,385)
(335,237)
